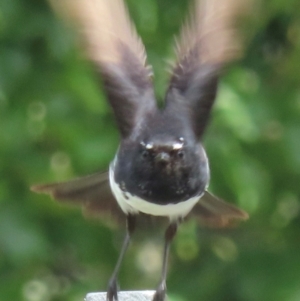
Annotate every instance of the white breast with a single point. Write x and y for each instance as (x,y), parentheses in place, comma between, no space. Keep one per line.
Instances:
(133,204)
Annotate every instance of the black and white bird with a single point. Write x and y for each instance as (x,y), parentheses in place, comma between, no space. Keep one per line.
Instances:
(161,168)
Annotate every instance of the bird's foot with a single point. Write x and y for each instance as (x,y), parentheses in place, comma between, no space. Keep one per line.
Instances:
(112,290)
(160,294)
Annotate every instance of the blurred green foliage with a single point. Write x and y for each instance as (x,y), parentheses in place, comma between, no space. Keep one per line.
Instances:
(55,124)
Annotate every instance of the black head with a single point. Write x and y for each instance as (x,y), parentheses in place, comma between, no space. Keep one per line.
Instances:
(162,153)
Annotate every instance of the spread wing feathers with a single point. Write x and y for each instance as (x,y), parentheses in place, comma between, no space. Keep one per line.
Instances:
(91,192)
(215,212)
(94,195)
(113,46)
(208,41)
(211,28)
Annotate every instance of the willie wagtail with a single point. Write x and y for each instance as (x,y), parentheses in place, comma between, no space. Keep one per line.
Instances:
(161,168)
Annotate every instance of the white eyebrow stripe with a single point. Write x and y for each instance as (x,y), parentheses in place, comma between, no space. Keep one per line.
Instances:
(149,146)
(177,145)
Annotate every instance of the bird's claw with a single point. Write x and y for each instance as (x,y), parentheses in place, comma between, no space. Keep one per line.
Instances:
(160,294)
(112,290)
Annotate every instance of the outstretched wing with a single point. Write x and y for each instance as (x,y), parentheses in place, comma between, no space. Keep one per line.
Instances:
(113,46)
(92,192)
(207,42)
(215,212)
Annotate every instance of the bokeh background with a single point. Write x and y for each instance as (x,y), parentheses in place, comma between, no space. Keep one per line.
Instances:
(55,124)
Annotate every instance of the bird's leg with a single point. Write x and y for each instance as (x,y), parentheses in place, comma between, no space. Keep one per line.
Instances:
(160,293)
(112,290)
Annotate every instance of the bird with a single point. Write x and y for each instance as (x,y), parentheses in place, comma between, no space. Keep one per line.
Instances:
(161,168)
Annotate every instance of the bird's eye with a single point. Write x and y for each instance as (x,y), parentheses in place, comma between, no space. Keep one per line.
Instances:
(180,154)
(145,154)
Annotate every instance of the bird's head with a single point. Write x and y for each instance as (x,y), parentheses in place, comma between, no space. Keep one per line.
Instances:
(164,154)
(164,167)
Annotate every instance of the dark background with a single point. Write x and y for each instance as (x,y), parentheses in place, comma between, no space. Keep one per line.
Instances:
(55,124)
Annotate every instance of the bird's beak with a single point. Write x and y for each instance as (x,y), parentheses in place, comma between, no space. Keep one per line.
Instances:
(162,158)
